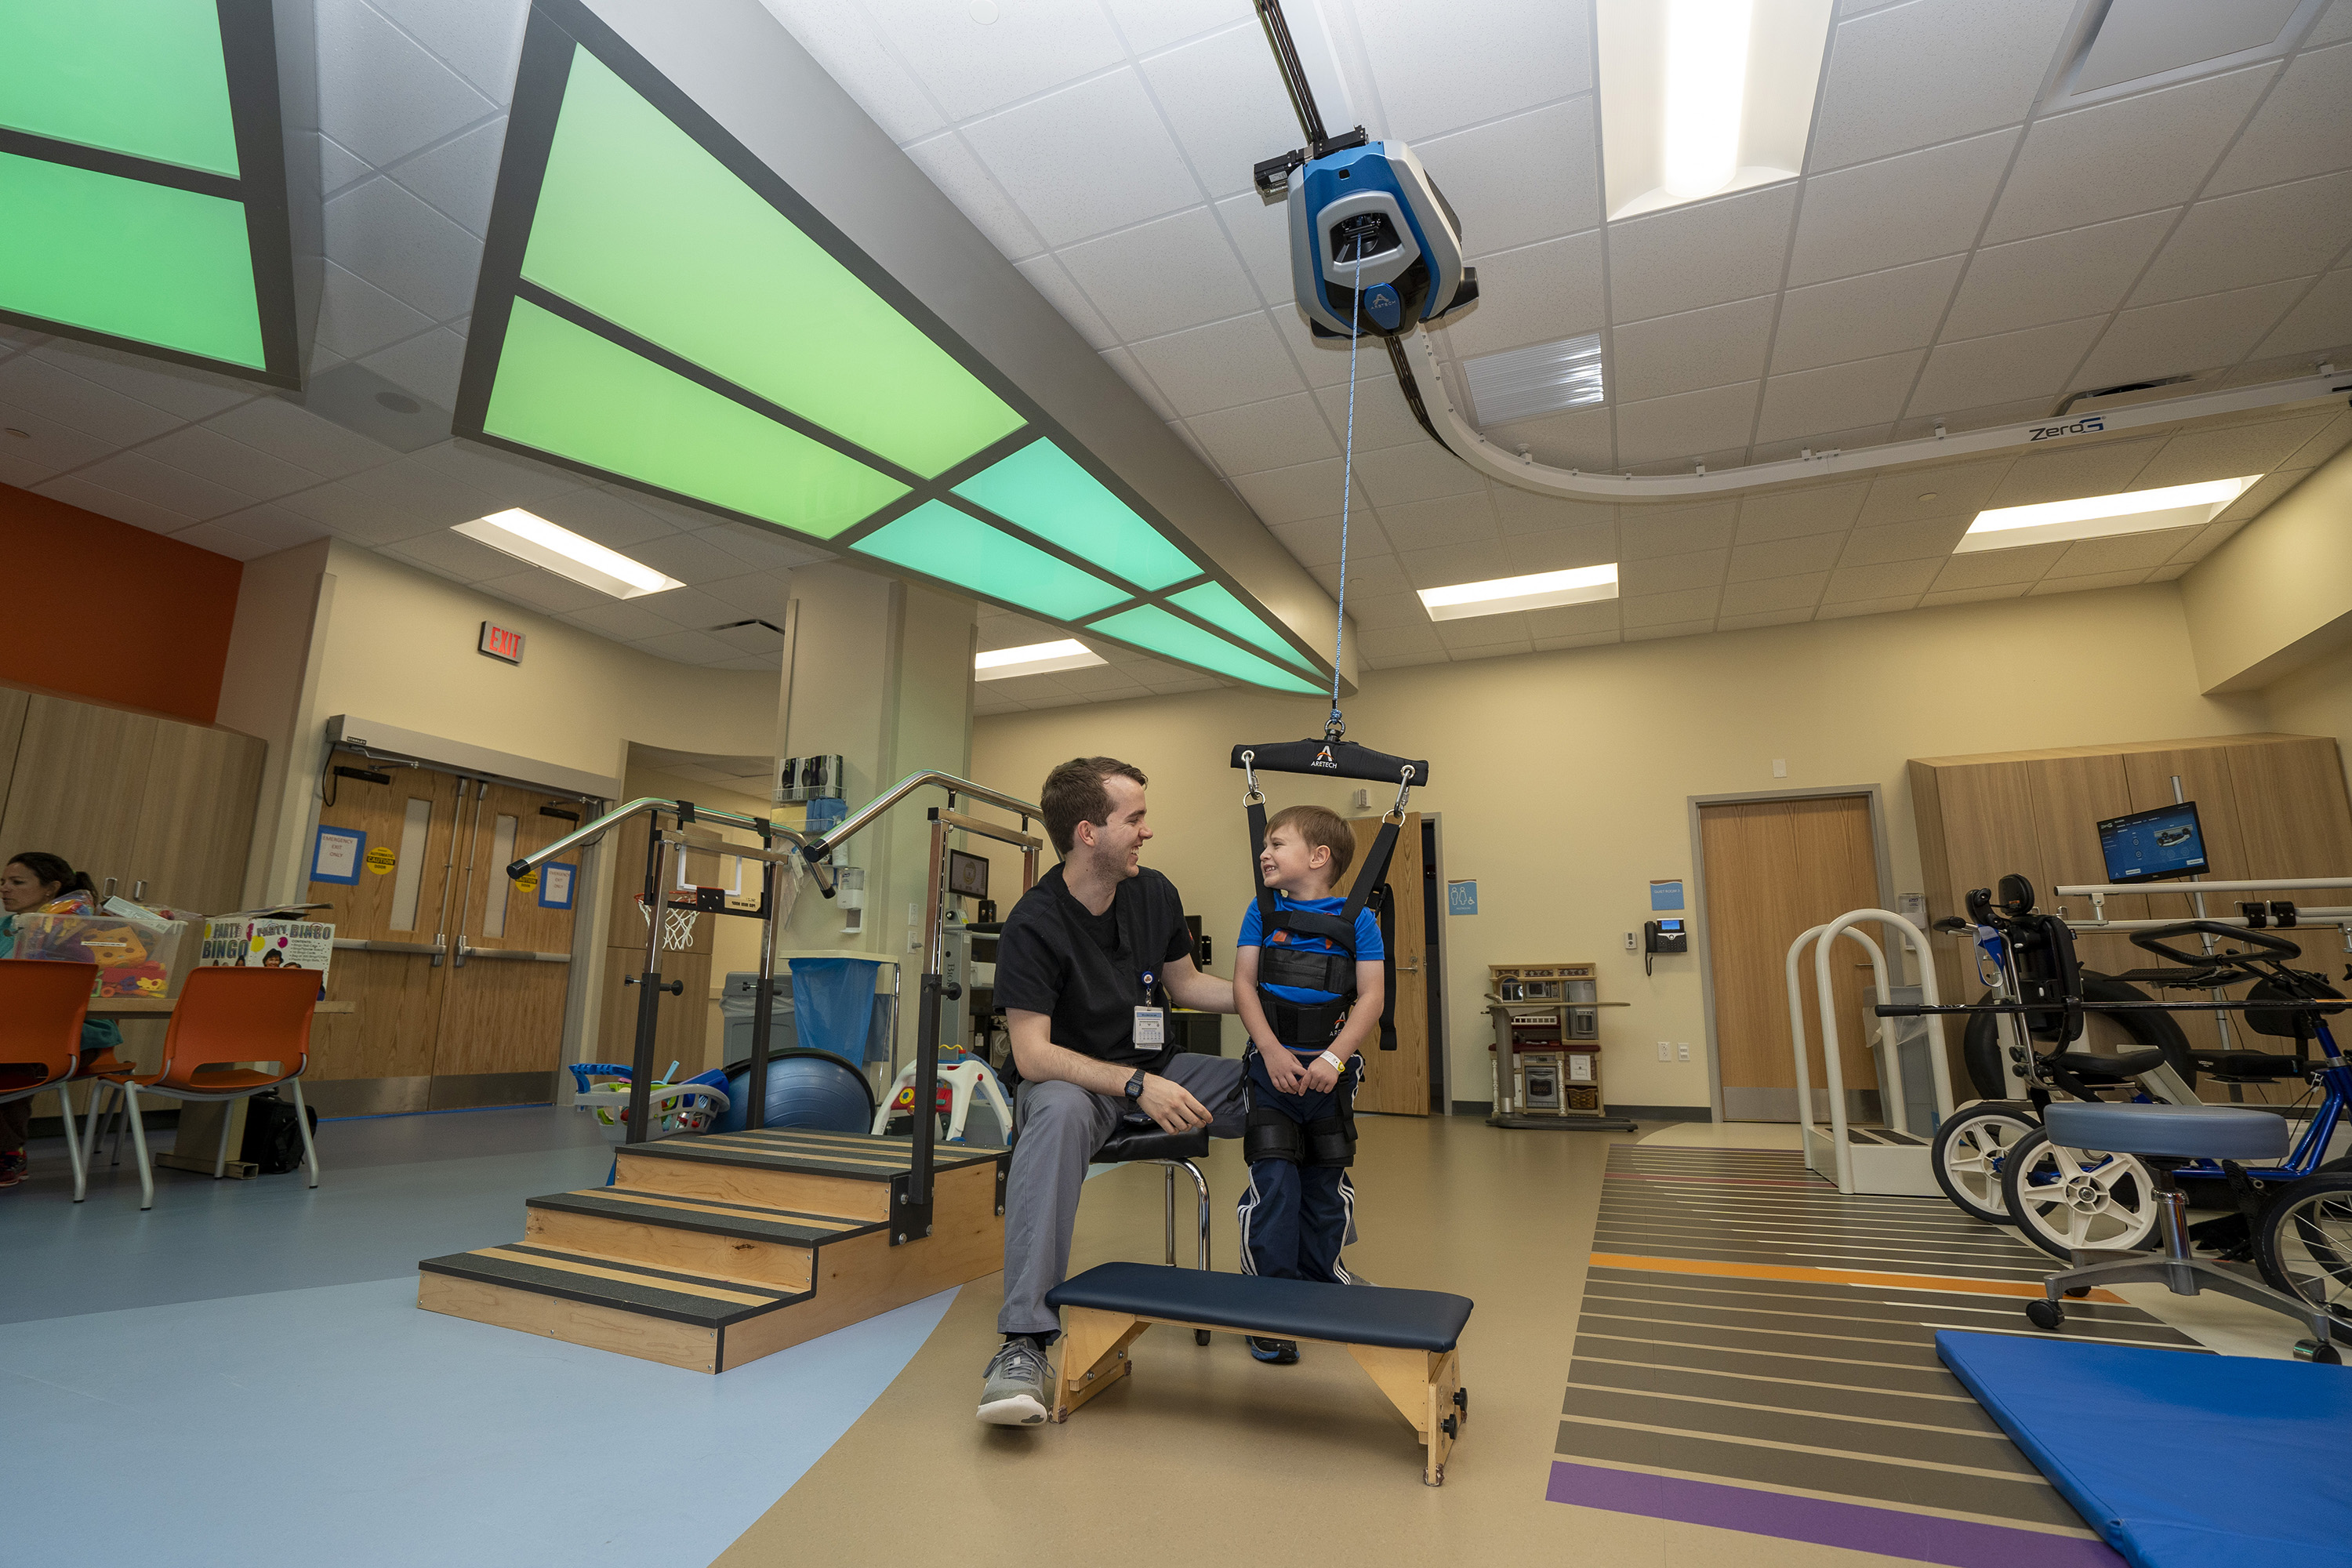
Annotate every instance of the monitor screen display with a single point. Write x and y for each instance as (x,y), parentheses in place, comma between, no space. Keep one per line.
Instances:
(2150,846)
(967,874)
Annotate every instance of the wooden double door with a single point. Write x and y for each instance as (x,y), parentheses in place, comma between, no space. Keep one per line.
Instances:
(459,976)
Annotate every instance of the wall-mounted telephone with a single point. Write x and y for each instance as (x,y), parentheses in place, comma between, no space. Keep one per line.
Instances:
(1663,936)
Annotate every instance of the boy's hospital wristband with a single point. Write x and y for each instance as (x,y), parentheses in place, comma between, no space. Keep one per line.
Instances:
(1337,1065)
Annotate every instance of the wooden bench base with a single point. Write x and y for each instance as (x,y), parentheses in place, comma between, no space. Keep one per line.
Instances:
(1424,1385)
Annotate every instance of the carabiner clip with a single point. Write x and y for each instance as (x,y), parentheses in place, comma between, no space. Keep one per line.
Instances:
(1253,795)
(1404,788)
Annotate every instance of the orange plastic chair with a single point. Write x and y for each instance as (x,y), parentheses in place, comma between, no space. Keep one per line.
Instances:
(42,1004)
(224,1016)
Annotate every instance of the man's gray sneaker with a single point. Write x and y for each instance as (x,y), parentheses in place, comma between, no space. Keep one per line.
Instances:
(1016,1392)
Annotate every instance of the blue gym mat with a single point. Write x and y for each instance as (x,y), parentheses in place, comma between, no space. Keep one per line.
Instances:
(2180,1460)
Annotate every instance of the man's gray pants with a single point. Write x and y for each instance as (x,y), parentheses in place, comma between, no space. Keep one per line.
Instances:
(1061,1127)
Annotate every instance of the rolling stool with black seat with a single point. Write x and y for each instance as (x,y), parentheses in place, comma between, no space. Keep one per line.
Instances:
(1137,1139)
(2164,1137)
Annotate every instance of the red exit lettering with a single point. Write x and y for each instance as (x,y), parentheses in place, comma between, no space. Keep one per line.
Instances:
(500,643)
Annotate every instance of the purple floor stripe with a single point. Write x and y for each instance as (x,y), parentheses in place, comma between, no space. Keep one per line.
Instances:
(1922,1538)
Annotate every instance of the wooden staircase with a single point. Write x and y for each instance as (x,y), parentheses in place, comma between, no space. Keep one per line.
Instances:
(710,1251)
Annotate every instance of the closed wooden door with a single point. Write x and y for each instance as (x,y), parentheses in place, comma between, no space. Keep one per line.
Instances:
(77,787)
(510,970)
(1396,1082)
(195,818)
(1775,868)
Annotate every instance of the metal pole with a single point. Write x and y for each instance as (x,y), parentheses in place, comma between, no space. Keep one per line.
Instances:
(755,1110)
(927,1039)
(641,1065)
(2196,902)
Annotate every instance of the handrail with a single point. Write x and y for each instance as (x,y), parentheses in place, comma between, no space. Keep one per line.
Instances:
(537,857)
(815,849)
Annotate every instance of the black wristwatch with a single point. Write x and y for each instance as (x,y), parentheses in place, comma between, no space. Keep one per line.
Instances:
(1135,1087)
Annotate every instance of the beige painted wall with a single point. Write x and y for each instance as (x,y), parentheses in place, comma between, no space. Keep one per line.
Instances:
(274,653)
(1564,779)
(2316,700)
(2278,594)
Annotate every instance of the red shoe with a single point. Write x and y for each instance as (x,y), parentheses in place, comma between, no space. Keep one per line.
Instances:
(14,1165)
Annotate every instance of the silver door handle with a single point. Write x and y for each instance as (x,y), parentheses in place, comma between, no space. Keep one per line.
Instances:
(1412,968)
(432,950)
(138,891)
(513,955)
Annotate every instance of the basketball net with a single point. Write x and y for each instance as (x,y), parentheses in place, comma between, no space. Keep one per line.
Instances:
(677,925)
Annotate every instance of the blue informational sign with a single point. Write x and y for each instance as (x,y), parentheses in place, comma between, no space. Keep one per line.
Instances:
(1462,898)
(556,882)
(1666,895)
(335,857)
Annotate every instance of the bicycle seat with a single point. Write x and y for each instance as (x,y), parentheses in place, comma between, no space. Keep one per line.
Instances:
(2106,1068)
(2246,1067)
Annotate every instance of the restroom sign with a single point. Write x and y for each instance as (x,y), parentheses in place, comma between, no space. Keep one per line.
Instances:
(502,643)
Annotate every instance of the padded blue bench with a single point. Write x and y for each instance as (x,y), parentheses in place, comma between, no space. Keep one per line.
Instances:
(1406,1339)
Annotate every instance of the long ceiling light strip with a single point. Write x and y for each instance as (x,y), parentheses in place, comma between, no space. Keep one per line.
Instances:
(1539,591)
(1706,87)
(2101,517)
(1037,658)
(527,536)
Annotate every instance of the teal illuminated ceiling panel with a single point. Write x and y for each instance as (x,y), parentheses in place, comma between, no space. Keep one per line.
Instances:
(1045,490)
(142,181)
(659,307)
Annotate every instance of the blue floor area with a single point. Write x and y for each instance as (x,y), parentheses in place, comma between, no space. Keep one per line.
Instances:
(276,1328)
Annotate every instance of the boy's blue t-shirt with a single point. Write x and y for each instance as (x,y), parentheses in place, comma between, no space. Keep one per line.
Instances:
(1369,947)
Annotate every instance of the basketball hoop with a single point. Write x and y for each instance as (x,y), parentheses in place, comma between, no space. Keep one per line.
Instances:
(677,925)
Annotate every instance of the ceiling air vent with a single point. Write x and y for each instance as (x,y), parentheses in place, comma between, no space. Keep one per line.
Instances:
(1519,384)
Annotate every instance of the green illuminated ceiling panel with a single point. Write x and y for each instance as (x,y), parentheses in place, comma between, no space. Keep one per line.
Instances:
(1215,604)
(128,258)
(1153,629)
(640,224)
(142,76)
(1045,490)
(564,390)
(939,541)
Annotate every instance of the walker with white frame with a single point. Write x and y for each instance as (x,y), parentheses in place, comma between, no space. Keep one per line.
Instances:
(1892,1162)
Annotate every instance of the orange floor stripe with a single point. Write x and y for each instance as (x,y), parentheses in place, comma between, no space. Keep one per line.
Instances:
(2016,1288)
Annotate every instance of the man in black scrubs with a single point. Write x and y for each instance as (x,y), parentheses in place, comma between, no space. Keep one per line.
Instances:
(1086,967)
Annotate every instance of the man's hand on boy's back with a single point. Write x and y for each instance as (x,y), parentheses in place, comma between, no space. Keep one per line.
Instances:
(1282,1068)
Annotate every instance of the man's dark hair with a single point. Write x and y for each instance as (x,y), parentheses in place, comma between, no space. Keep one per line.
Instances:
(1075,792)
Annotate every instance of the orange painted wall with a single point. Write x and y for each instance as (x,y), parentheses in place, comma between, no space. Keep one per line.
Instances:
(92,608)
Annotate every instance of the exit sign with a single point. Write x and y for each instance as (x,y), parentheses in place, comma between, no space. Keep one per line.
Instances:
(499,643)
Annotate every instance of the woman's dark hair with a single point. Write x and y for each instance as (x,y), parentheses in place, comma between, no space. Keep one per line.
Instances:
(48,867)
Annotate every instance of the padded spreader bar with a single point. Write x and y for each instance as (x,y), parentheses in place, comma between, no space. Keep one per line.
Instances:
(1331,758)
(1272,1308)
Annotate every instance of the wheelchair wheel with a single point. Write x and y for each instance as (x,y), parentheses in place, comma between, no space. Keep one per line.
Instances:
(2303,1242)
(2076,1200)
(1969,1149)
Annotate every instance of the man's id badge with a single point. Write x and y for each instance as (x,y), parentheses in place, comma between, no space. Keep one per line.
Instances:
(1151,1025)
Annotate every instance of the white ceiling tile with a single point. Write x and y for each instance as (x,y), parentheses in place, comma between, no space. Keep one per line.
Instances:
(1884,580)
(1295,494)
(516,479)
(1224,363)
(629,622)
(2058,276)
(297,436)
(453,555)
(1577,620)
(2186,335)
(1785,557)
(2132,156)
(337,165)
(1388,610)
(480,39)
(1862,317)
(1896,211)
(1323,360)
(958,172)
(1260,231)
(2302,228)
(1394,476)
(1685,424)
(181,390)
(1931,537)
(1489,59)
(1533,177)
(1704,254)
(1836,397)
(354,516)
(761,547)
(1412,526)
(972,67)
(1275,434)
(424,492)
(2334,25)
(1847,609)
(1383,418)
(1931,492)
(1150,25)
(845,41)
(1316,540)
(75,491)
(1130,372)
(1225,100)
(45,447)
(1085,160)
(1369,574)
(692,608)
(752,661)
(458,178)
(2330,440)
(1800,513)
(1762,618)
(1571,439)
(223,540)
(1704,571)
(1381,642)
(2253,503)
(2130,552)
(427,364)
(1774,593)
(610,520)
(2055,585)
(687,557)
(1982,569)
(2231,452)
(763,594)
(2032,362)
(159,484)
(2211,536)
(403,247)
(1536,295)
(2301,127)
(1647,533)
(31,382)
(2323,320)
(270,528)
(1524,511)
(1712,347)
(1590,639)
(1914,75)
(2095,468)
(1050,279)
(1162,276)
(1669,615)
(357,318)
(380,94)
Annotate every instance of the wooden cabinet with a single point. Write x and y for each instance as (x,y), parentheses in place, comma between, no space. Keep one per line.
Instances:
(196,818)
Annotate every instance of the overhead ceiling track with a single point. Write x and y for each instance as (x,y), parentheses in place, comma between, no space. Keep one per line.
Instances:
(1445,420)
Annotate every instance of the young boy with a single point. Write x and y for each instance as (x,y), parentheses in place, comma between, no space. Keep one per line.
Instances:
(1292,985)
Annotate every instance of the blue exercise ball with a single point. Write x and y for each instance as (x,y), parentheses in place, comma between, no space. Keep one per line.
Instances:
(806,1089)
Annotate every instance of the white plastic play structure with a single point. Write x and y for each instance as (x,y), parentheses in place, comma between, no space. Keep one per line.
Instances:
(1890,1161)
(963,1077)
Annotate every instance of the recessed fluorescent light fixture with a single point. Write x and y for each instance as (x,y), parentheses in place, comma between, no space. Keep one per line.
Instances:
(2101,517)
(545,545)
(1035,659)
(1519,384)
(1702,98)
(1540,592)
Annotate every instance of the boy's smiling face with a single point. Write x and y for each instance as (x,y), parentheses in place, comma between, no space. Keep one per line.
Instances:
(1291,865)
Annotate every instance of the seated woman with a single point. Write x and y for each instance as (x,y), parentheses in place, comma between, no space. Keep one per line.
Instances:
(36,883)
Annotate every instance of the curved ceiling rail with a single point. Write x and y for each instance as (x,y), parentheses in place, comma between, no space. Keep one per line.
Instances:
(1452,428)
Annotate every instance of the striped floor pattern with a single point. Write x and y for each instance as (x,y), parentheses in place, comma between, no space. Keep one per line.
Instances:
(1756,1351)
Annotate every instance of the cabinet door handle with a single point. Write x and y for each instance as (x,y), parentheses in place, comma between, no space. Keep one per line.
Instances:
(139,891)
(109,887)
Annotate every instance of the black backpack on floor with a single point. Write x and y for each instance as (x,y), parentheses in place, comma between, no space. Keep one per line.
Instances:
(273,1141)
